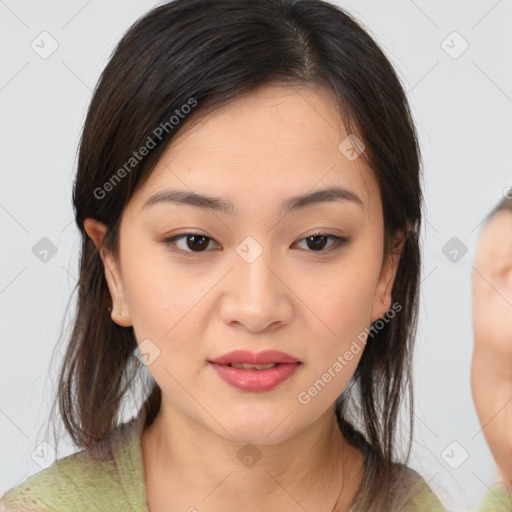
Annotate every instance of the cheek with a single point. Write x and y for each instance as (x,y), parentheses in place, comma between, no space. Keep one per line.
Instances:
(341,302)
(163,302)
(342,297)
(491,307)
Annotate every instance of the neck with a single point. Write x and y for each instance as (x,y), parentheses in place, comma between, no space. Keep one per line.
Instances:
(187,464)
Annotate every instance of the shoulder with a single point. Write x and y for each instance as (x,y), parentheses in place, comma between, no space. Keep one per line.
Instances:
(103,477)
(69,482)
(413,492)
(497,499)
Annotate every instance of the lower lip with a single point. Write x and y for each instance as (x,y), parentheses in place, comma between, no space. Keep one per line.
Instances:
(256,380)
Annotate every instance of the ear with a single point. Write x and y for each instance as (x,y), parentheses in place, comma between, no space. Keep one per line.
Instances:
(120,314)
(383,298)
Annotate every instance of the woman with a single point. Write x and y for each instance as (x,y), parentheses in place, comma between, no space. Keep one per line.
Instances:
(248,193)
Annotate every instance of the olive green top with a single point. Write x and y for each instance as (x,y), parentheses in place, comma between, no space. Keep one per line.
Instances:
(498,499)
(77,483)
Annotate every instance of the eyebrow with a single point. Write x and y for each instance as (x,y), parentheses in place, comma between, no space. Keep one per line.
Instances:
(225,206)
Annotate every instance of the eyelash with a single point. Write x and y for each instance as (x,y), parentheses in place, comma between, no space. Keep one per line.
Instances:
(339,242)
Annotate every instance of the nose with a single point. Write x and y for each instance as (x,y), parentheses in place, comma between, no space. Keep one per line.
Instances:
(257,294)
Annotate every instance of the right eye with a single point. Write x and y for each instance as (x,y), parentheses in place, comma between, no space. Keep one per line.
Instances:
(193,243)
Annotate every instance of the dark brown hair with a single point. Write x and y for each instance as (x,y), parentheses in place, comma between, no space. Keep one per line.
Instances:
(210,52)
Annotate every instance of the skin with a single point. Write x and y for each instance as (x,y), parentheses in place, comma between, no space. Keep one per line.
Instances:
(256,151)
(491,371)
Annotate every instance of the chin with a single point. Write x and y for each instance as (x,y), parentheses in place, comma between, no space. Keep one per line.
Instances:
(258,432)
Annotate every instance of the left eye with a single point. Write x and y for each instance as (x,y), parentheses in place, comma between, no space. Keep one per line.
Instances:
(197,243)
(318,241)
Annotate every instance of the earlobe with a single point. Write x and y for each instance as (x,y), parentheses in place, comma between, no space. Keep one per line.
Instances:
(119,311)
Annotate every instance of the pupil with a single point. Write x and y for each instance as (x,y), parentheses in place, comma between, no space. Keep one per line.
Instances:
(315,238)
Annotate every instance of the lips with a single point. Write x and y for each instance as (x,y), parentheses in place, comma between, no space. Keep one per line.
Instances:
(253,380)
(238,358)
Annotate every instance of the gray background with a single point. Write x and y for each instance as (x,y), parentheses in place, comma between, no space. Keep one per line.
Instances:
(462,104)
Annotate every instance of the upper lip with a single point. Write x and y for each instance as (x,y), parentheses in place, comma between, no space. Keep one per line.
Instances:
(246,356)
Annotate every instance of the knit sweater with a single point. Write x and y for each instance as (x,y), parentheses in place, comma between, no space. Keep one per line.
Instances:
(76,483)
(498,499)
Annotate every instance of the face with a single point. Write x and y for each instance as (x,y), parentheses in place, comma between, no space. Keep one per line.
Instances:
(196,283)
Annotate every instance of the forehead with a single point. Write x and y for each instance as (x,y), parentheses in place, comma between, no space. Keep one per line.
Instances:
(496,237)
(275,141)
